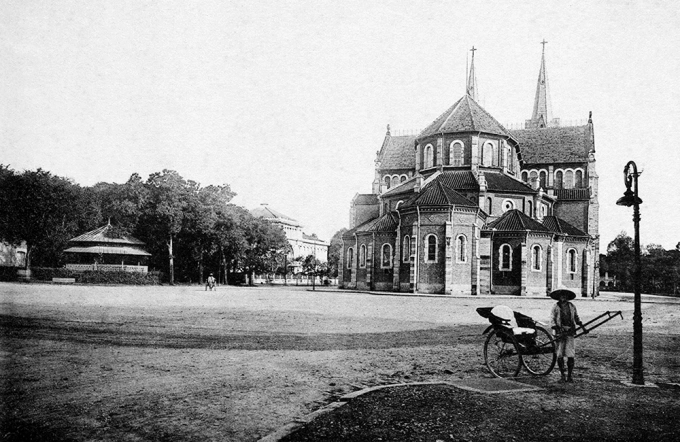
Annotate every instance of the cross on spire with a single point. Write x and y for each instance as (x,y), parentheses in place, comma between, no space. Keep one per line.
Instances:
(544,43)
(471,85)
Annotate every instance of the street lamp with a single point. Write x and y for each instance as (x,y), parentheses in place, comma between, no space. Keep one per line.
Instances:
(630,198)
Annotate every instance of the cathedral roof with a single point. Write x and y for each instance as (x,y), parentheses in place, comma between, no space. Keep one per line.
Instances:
(464,116)
(385,223)
(459,180)
(397,152)
(266,212)
(515,221)
(405,187)
(554,144)
(437,194)
(558,225)
(499,182)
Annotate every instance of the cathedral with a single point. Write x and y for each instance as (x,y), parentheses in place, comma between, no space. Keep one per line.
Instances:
(468,207)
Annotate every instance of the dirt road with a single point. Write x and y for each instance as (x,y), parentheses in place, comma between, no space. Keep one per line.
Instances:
(179,363)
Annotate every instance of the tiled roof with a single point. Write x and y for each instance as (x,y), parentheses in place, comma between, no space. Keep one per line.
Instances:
(388,223)
(99,235)
(516,221)
(437,194)
(499,182)
(405,187)
(108,250)
(464,116)
(558,225)
(573,194)
(365,227)
(398,152)
(459,180)
(268,213)
(554,144)
(365,199)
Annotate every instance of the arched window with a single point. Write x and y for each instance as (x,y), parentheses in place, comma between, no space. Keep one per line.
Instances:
(431,242)
(571,260)
(461,248)
(559,178)
(446,154)
(487,154)
(543,179)
(536,256)
(457,152)
(569,179)
(505,257)
(525,176)
(403,178)
(362,256)
(511,159)
(395,180)
(489,205)
(386,261)
(578,180)
(429,157)
(388,182)
(530,206)
(406,249)
(350,258)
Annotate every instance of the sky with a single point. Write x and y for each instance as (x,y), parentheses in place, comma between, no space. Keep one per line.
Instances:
(288,101)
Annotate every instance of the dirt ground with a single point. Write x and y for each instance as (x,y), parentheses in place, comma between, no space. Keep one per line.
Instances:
(178,363)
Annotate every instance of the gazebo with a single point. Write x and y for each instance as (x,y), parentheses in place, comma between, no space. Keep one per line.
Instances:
(101,249)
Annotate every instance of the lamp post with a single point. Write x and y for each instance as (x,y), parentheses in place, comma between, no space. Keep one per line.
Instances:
(630,198)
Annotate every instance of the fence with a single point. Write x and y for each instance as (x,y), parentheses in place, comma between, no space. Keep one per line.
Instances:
(293,280)
(107,268)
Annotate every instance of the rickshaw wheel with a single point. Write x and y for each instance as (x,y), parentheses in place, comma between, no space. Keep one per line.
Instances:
(539,358)
(501,354)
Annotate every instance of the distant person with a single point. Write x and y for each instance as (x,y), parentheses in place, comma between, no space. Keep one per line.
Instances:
(564,319)
(210,283)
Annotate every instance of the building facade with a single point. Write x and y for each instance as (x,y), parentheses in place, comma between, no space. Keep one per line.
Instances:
(301,244)
(470,207)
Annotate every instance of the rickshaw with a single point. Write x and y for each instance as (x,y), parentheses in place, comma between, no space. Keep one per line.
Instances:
(515,340)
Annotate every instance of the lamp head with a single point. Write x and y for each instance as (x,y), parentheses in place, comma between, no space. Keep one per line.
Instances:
(629,199)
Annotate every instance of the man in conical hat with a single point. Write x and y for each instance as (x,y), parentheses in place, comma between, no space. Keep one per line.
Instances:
(564,319)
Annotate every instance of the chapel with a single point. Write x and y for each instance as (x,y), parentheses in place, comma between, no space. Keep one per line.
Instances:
(470,207)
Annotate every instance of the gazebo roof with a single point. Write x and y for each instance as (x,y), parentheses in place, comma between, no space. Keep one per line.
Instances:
(108,250)
(98,235)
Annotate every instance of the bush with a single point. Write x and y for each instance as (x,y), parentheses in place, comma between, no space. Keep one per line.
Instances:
(8,274)
(97,276)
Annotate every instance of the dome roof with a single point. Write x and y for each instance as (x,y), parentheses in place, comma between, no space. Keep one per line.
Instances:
(464,116)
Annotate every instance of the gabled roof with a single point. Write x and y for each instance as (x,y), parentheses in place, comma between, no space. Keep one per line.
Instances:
(554,144)
(558,225)
(266,212)
(516,221)
(397,152)
(98,235)
(464,116)
(499,182)
(437,194)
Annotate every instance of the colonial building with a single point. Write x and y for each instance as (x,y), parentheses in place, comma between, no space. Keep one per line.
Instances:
(301,244)
(470,207)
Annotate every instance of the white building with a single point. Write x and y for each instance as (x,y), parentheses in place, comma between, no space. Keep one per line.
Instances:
(302,244)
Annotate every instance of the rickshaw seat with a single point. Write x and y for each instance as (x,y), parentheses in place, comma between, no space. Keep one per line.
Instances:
(507,317)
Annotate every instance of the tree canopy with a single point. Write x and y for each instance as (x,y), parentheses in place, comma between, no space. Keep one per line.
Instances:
(187,228)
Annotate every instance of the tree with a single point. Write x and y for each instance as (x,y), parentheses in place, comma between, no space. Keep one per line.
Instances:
(164,211)
(42,209)
(265,243)
(621,260)
(335,253)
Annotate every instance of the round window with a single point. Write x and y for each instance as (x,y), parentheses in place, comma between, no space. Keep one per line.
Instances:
(508,205)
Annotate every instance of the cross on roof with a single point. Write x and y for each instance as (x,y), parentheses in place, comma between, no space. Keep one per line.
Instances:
(473,50)
(544,43)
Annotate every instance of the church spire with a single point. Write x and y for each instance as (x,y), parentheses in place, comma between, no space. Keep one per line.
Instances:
(471,86)
(541,116)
